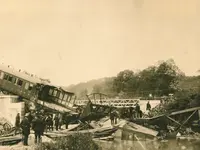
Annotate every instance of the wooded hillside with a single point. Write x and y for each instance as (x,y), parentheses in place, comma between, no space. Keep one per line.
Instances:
(159,80)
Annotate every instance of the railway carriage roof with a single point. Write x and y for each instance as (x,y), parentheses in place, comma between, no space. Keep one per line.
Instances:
(22,75)
(29,78)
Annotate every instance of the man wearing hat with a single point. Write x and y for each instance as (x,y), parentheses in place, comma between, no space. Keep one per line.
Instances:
(25,125)
(38,128)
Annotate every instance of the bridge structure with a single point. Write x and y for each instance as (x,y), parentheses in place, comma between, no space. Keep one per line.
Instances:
(102,99)
(119,103)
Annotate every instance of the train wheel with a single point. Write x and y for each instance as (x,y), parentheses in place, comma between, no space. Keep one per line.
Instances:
(6,127)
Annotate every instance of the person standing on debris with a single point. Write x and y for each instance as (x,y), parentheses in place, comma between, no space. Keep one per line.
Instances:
(56,119)
(30,117)
(43,118)
(148,106)
(112,117)
(17,123)
(116,116)
(48,123)
(67,118)
(137,109)
(140,113)
(130,112)
(37,126)
(25,125)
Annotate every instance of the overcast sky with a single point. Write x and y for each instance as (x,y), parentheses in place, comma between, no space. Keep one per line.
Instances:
(69,41)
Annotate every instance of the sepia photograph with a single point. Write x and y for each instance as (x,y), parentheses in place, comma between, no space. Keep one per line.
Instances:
(99,75)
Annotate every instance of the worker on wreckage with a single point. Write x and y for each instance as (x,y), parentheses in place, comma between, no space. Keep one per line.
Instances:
(114,115)
(148,107)
(56,119)
(137,110)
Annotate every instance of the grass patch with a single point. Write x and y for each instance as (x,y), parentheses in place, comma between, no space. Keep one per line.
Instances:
(76,141)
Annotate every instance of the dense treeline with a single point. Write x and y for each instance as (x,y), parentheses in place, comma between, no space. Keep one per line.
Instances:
(157,80)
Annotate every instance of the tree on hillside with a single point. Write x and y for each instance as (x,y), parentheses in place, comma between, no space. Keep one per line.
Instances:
(97,88)
(157,80)
(83,94)
(123,80)
(167,74)
(147,81)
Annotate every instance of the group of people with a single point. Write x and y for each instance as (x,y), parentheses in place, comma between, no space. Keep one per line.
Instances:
(113,117)
(131,112)
(40,123)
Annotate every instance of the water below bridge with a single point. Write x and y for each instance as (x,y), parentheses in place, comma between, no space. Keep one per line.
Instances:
(119,144)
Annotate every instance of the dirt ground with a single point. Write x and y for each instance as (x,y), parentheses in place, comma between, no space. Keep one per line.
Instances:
(20,146)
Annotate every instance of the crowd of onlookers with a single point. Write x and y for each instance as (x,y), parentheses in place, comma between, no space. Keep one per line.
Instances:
(39,122)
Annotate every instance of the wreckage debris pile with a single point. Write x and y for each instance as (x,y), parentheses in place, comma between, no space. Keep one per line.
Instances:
(158,110)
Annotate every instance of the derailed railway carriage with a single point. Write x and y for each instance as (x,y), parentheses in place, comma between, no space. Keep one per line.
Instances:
(32,88)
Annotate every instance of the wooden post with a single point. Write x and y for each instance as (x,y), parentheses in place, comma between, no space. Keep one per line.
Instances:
(199,114)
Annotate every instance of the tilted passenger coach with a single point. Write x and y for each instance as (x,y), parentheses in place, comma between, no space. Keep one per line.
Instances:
(32,88)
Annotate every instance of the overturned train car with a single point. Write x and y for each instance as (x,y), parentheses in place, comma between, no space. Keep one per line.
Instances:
(34,89)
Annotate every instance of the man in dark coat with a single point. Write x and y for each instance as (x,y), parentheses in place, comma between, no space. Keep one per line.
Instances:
(25,125)
(38,128)
(137,109)
(30,117)
(17,123)
(67,118)
(112,117)
(56,119)
(148,106)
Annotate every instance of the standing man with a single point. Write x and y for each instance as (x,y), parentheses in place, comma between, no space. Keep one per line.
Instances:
(112,117)
(148,106)
(25,125)
(30,117)
(137,109)
(67,118)
(56,119)
(116,116)
(17,123)
(130,112)
(38,128)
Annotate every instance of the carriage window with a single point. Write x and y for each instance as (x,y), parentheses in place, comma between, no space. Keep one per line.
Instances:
(51,92)
(26,86)
(15,80)
(65,97)
(19,82)
(30,87)
(55,92)
(6,77)
(10,78)
(1,75)
(61,96)
(58,94)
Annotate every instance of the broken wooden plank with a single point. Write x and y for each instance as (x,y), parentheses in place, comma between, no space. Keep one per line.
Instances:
(132,127)
(187,119)
(185,111)
(173,120)
(10,140)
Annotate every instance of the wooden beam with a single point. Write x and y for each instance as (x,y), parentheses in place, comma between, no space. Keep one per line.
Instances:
(187,119)
(173,120)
